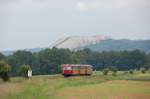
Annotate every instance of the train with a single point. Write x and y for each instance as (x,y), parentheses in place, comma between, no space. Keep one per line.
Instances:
(76,69)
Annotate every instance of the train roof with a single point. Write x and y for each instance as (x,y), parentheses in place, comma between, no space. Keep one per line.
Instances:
(78,65)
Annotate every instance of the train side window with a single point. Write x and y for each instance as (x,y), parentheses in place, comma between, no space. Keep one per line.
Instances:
(67,68)
(75,68)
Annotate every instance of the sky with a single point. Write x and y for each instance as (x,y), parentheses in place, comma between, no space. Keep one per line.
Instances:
(39,23)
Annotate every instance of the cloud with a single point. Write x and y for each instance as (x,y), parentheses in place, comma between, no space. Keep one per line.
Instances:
(93,5)
(87,6)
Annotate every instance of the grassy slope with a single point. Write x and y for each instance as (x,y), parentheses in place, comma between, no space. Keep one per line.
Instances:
(120,45)
(93,87)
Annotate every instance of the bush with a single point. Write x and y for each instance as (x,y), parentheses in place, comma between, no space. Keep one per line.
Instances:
(114,70)
(105,71)
(4,71)
(131,71)
(143,70)
(23,70)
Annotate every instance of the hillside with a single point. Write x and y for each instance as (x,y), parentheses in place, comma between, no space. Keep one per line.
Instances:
(72,43)
(77,41)
(120,45)
(95,43)
(33,50)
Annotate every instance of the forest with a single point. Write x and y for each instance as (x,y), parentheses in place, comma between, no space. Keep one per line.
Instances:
(48,61)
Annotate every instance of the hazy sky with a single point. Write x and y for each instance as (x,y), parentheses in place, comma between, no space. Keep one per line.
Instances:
(39,23)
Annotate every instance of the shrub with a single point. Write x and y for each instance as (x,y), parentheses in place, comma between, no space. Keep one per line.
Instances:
(4,71)
(105,71)
(143,70)
(114,69)
(23,70)
(131,71)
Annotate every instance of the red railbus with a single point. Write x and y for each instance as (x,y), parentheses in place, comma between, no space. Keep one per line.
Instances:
(76,69)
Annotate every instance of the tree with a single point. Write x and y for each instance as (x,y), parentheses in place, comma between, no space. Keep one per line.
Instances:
(19,58)
(147,66)
(105,71)
(4,70)
(137,59)
(48,61)
(2,57)
(23,70)
(51,59)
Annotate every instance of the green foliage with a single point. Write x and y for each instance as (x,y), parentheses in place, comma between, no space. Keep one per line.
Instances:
(120,45)
(48,61)
(2,57)
(105,71)
(143,70)
(147,66)
(131,71)
(24,70)
(19,58)
(4,70)
(114,70)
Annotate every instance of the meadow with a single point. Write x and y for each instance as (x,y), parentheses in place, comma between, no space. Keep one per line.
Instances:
(97,86)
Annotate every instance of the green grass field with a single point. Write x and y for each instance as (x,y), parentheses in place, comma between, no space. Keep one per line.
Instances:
(97,86)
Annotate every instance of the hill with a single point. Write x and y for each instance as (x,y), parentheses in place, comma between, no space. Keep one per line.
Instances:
(120,45)
(77,41)
(33,50)
(95,43)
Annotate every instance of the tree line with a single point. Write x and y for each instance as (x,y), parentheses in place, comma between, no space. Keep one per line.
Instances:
(48,61)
